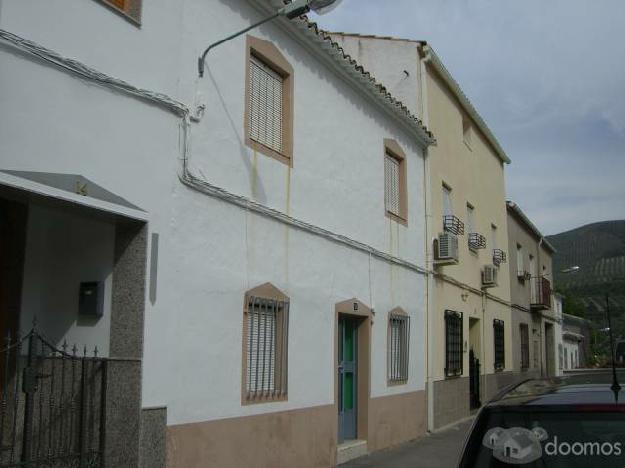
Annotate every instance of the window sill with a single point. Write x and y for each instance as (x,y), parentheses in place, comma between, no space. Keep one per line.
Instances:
(124,14)
(452,377)
(397,218)
(259,147)
(263,399)
(396,383)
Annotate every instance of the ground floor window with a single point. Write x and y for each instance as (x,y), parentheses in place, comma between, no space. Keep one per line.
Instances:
(500,349)
(398,346)
(524,333)
(266,345)
(453,343)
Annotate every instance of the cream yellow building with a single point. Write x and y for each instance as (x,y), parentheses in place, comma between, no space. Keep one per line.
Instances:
(469,317)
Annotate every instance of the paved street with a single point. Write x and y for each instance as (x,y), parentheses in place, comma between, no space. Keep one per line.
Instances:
(439,450)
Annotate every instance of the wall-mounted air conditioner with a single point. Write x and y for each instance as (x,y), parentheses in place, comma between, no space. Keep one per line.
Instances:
(489,276)
(446,248)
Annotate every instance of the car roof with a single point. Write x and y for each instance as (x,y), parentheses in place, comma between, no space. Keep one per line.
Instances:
(584,388)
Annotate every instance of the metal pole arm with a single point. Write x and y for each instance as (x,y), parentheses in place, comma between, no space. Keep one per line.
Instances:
(202,58)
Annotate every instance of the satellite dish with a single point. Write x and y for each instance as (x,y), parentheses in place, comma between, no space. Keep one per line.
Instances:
(321,7)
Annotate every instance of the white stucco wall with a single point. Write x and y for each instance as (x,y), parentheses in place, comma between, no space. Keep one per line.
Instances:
(211,252)
(62,250)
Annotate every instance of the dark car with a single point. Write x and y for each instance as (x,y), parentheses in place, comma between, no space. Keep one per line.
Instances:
(572,421)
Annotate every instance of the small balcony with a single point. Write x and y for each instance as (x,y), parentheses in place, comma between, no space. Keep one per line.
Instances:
(499,257)
(476,241)
(540,293)
(453,225)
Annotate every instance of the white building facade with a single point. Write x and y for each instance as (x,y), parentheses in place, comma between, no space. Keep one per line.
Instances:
(262,282)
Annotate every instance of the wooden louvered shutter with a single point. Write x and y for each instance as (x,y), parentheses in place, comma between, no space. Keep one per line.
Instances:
(266,105)
(391,184)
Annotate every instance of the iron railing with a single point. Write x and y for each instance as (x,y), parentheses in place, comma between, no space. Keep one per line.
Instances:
(452,224)
(499,257)
(540,293)
(476,241)
(52,405)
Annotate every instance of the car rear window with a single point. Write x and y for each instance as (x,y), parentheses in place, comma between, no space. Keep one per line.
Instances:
(545,438)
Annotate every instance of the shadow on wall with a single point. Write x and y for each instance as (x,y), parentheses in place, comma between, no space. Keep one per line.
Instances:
(64,249)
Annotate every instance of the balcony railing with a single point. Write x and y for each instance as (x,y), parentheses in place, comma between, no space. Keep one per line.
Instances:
(476,241)
(452,224)
(499,257)
(540,293)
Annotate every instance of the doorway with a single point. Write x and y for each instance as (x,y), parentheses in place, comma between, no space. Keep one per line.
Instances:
(474,363)
(347,377)
(13,216)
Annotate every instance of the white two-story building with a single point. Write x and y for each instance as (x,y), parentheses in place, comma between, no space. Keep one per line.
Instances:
(246,249)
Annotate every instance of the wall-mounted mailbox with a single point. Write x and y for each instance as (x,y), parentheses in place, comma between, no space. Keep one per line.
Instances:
(91,299)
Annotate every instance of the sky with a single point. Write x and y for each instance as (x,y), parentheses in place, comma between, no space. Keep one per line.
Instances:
(548,77)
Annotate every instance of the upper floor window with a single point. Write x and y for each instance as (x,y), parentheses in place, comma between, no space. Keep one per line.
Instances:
(395,190)
(520,266)
(265,339)
(398,339)
(129,8)
(269,101)
(447,207)
(466,131)
(493,235)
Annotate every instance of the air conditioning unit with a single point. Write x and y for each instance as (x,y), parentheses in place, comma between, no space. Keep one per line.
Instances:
(446,248)
(520,274)
(489,276)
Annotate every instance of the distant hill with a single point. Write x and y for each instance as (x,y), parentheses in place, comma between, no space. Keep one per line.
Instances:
(599,251)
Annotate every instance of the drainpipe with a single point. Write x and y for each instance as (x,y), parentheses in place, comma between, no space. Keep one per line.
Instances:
(429,263)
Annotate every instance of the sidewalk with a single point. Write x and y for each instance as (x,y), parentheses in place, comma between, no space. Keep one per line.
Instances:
(440,450)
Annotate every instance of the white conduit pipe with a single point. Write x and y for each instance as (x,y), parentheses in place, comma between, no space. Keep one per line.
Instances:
(186,176)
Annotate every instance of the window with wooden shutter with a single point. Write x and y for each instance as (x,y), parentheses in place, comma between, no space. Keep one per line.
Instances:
(269,101)
(398,347)
(265,345)
(266,105)
(395,190)
(391,178)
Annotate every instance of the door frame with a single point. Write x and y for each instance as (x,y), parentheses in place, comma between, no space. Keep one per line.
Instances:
(342,336)
(14,235)
(357,309)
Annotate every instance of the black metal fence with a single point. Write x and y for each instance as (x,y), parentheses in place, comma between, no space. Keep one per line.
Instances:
(52,404)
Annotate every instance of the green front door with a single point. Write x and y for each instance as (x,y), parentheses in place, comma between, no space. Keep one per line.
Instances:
(347,377)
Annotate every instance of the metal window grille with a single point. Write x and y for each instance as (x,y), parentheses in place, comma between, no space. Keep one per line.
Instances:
(265,105)
(267,346)
(500,353)
(398,346)
(391,184)
(453,343)
(525,345)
